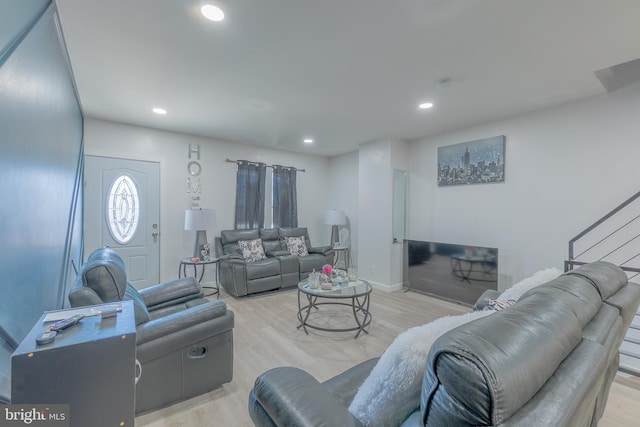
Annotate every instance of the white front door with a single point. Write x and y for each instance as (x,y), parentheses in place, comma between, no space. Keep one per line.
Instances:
(122,211)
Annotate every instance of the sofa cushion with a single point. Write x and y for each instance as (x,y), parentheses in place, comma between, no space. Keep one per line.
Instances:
(104,272)
(392,390)
(263,268)
(171,293)
(605,276)
(229,240)
(473,368)
(568,397)
(140,311)
(270,241)
(537,279)
(581,298)
(312,262)
(252,250)
(296,246)
(232,236)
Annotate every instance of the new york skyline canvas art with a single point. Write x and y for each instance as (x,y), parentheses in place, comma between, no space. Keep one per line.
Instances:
(474,162)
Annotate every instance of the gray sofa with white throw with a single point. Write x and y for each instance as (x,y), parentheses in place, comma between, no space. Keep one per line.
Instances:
(279,269)
(547,360)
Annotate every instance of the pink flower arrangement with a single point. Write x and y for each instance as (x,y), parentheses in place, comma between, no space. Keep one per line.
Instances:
(327,269)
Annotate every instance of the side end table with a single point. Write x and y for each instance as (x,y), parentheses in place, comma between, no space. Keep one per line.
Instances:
(182,272)
(341,259)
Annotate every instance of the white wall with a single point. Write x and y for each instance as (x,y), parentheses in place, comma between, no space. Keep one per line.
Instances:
(374,205)
(379,260)
(362,184)
(218,181)
(400,159)
(565,168)
(343,194)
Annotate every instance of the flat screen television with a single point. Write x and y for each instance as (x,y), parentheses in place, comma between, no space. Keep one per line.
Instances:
(459,273)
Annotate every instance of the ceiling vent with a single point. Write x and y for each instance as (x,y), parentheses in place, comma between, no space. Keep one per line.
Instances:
(619,76)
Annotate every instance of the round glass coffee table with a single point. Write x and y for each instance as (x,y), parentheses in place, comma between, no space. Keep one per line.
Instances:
(355,295)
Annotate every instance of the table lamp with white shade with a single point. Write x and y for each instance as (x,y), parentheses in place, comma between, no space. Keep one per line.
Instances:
(199,220)
(334,218)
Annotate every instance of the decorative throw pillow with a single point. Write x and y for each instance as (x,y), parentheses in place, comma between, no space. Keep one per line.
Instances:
(252,250)
(497,305)
(392,390)
(296,246)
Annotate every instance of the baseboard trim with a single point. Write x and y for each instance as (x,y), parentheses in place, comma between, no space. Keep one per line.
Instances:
(386,288)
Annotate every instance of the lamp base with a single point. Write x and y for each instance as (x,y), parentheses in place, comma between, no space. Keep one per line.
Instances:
(334,235)
(201,239)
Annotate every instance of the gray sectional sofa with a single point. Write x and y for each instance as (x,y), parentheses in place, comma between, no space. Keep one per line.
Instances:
(547,360)
(279,270)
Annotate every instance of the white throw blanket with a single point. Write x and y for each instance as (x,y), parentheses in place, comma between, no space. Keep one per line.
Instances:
(538,278)
(392,390)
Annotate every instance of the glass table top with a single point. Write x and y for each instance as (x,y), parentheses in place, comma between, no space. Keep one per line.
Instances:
(348,290)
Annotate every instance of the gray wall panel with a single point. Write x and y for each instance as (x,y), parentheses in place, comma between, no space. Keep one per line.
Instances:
(40,173)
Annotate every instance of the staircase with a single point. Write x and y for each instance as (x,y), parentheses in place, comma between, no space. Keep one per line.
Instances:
(615,238)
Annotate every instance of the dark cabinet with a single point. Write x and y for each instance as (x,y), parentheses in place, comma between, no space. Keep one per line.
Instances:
(89,366)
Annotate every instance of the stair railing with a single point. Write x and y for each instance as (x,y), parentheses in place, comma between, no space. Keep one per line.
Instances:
(573,258)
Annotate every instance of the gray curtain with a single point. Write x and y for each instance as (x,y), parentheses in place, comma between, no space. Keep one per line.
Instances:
(285,197)
(250,181)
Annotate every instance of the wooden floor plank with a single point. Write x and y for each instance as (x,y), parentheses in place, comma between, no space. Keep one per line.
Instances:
(265,336)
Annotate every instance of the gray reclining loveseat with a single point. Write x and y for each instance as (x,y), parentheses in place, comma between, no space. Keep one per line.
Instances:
(548,360)
(280,269)
(184,342)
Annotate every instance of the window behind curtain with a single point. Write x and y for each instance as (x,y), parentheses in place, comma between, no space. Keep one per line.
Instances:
(250,180)
(284,197)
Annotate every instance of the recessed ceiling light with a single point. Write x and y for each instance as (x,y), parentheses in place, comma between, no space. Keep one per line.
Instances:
(308,141)
(425,105)
(212,13)
(159,110)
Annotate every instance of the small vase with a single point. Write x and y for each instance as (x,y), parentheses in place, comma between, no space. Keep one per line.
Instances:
(352,274)
(314,280)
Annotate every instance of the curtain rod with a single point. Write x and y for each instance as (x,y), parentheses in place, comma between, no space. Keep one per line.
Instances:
(269,166)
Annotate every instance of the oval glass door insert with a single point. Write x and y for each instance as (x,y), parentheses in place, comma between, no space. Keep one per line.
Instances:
(123,209)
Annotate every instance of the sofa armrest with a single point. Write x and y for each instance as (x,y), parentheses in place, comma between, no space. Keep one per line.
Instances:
(292,397)
(180,321)
(626,300)
(324,250)
(170,293)
(344,386)
(483,300)
(232,258)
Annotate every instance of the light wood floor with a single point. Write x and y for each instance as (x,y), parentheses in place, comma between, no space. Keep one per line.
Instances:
(265,336)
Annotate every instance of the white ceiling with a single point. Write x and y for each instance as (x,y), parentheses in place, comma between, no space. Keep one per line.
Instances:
(343,72)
